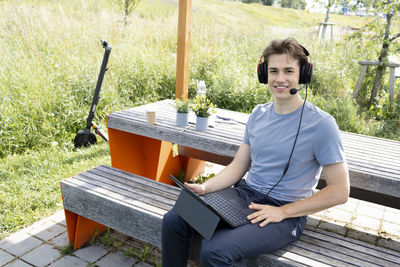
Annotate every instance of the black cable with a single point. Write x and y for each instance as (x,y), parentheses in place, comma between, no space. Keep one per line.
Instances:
(294,144)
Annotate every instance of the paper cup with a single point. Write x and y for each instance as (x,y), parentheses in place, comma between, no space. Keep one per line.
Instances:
(151,114)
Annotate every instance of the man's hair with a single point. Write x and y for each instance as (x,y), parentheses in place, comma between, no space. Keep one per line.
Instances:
(287,46)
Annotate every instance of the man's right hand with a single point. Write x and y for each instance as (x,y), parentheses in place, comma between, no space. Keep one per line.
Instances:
(199,189)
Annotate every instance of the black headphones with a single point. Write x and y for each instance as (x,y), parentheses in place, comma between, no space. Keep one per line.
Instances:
(305,70)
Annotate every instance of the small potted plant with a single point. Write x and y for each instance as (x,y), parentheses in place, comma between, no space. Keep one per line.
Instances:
(182,112)
(203,108)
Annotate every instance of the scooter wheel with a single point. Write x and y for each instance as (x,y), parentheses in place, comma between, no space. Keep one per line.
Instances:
(84,139)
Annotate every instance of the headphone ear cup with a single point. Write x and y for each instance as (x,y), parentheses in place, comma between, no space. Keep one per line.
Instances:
(262,71)
(305,73)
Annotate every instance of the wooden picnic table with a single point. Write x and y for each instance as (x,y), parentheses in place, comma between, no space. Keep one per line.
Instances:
(147,150)
(120,197)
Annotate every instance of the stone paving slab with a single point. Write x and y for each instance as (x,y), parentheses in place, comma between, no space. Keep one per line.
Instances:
(143,264)
(19,243)
(5,257)
(69,261)
(116,259)
(60,241)
(338,215)
(18,263)
(46,230)
(58,217)
(373,211)
(42,256)
(391,215)
(370,224)
(91,254)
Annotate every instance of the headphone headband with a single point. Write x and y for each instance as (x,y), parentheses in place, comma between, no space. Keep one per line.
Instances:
(305,51)
(305,70)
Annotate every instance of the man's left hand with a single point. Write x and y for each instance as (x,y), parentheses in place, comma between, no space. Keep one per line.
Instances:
(265,214)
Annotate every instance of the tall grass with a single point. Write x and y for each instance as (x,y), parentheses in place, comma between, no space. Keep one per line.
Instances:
(51,56)
(29,183)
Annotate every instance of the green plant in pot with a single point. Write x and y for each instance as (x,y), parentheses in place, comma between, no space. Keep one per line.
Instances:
(203,108)
(182,112)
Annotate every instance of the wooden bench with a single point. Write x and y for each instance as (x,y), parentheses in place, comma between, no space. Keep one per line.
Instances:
(120,199)
(135,206)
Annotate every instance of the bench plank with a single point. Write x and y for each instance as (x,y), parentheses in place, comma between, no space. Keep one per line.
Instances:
(339,255)
(280,258)
(135,206)
(142,191)
(123,196)
(310,251)
(348,243)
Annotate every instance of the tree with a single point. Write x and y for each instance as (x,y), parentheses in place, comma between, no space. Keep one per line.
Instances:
(128,7)
(250,1)
(267,2)
(390,9)
(296,4)
(328,5)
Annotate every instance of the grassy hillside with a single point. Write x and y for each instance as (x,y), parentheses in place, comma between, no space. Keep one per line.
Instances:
(51,55)
(52,49)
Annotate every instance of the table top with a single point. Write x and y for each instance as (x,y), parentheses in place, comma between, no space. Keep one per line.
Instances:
(374,163)
(223,137)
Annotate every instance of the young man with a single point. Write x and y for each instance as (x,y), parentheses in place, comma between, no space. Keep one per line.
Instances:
(280,204)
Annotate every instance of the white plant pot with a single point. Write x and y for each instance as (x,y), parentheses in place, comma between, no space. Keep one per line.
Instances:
(182,119)
(201,123)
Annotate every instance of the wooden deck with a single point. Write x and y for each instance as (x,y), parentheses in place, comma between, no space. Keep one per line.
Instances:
(374,163)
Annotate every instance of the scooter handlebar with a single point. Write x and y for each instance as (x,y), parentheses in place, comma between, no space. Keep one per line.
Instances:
(105,45)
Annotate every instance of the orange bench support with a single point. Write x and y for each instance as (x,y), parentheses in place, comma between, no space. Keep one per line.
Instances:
(80,229)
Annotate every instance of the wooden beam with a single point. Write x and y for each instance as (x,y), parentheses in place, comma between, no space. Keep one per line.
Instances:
(360,78)
(392,81)
(377,63)
(182,61)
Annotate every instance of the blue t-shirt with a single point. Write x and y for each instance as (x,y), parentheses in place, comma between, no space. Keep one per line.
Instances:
(271,137)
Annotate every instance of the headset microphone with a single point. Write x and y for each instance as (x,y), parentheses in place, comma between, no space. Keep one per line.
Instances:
(294,91)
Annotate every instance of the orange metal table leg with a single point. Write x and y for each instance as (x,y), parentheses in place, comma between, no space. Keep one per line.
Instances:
(193,167)
(148,157)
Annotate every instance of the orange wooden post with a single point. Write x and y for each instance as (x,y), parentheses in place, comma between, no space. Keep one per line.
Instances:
(182,61)
(192,166)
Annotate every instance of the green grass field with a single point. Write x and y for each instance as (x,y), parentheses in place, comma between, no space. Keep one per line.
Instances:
(51,55)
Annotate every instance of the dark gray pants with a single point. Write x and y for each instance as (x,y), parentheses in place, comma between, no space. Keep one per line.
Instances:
(228,246)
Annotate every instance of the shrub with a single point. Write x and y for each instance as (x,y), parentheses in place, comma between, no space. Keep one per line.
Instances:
(182,106)
(202,106)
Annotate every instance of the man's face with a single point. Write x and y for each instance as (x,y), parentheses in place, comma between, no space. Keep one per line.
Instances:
(283,75)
